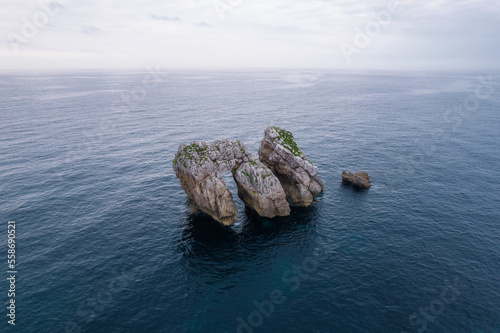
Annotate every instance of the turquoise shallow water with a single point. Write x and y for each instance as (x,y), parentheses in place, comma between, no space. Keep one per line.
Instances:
(106,242)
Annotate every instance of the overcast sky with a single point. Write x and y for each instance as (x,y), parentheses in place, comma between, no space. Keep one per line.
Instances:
(427,34)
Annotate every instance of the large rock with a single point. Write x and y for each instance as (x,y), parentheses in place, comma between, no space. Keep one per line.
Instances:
(298,176)
(199,167)
(359,180)
(259,189)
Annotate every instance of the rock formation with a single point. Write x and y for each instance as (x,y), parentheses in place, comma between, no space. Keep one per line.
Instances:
(298,176)
(359,180)
(199,167)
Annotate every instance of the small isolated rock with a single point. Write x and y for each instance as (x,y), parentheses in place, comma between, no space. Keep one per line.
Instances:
(359,180)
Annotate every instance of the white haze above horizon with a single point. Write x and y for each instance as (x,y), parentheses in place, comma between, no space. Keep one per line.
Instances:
(232,34)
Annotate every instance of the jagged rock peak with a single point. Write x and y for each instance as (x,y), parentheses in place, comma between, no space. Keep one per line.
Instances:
(298,176)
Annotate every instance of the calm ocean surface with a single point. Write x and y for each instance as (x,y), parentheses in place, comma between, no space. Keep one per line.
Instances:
(105,241)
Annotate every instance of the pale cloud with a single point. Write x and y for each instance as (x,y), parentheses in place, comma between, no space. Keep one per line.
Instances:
(165,18)
(432,34)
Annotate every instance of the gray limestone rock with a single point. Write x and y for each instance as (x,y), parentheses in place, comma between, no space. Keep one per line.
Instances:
(298,176)
(199,167)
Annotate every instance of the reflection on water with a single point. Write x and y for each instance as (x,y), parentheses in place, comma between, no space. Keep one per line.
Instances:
(220,253)
(202,231)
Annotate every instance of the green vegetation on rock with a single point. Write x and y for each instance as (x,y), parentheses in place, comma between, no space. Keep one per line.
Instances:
(285,138)
(193,153)
(248,176)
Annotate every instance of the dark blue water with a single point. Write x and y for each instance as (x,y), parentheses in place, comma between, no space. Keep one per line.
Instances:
(105,241)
